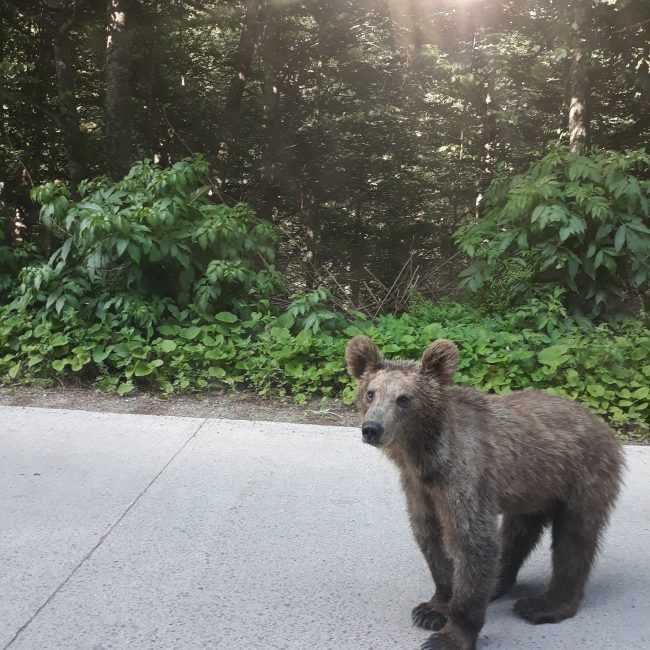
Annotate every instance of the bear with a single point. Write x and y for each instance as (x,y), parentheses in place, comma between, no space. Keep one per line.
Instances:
(467,459)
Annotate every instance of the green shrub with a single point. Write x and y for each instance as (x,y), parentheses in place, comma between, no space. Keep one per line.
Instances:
(12,260)
(583,221)
(154,286)
(606,367)
(152,241)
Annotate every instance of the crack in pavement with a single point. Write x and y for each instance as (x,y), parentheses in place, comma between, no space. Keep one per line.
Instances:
(101,540)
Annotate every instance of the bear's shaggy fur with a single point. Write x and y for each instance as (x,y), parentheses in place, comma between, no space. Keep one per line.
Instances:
(464,458)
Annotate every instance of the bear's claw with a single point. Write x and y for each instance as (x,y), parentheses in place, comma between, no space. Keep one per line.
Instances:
(438,642)
(425,616)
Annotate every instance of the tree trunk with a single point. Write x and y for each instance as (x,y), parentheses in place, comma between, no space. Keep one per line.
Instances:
(154,134)
(119,62)
(489,116)
(65,85)
(485,20)
(580,76)
(243,65)
(307,211)
(272,117)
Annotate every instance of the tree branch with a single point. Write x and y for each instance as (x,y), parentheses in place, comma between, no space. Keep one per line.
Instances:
(177,135)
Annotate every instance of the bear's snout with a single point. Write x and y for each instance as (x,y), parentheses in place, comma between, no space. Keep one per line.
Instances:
(372,432)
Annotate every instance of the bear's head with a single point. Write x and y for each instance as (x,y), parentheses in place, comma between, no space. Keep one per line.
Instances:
(398,399)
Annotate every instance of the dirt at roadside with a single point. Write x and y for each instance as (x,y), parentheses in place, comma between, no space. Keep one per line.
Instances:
(233,405)
(215,404)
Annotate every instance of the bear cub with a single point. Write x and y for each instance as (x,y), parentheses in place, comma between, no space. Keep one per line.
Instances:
(466,457)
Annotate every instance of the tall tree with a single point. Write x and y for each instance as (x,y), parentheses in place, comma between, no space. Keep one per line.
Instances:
(64,17)
(242,63)
(119,64)
(580,75)
(366,126)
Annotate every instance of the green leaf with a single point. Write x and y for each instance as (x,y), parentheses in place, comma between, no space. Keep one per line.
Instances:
(169,330)
(190,333)
(595,390)
(639,277)
(122,350)
(121,246)
(546,214)
(639,227)
(134,253)
(142,369)
(619,240)
(575,226)
(65,249)
(59,364)
(125,387)
(100,354)
(572,376)
(598,260)
(604,230)
(167,345)
(286,320)
(522,240)
(78,362)
(553,356)
(637,244)
(226,317)
(641,393)
(216,373)
(574,265)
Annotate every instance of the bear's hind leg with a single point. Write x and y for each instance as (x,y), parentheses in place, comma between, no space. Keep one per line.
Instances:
(575,544)
(519,536)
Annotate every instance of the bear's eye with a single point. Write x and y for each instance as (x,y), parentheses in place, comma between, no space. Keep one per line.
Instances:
(370,395)
(403,400)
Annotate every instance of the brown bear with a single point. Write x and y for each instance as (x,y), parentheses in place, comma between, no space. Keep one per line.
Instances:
(464,458)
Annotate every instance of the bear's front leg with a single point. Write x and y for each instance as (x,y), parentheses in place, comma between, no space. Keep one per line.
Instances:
(432,614)
(476,554)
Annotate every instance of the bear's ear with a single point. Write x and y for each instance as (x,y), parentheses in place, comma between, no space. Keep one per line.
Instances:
(440,360)
(361,354)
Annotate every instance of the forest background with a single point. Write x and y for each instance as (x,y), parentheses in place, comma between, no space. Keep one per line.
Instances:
(198,194)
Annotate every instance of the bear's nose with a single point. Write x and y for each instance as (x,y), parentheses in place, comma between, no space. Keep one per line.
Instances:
(371,432)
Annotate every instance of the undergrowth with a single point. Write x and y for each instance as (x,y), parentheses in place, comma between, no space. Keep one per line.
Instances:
(152,285)
(300,353)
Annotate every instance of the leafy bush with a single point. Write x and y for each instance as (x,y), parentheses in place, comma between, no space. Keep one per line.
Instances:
(536,345)
(311,311)
(12,260)
(152,241)
(154,286)
(584,221)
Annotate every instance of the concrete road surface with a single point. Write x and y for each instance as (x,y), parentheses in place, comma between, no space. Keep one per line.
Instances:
(134,532)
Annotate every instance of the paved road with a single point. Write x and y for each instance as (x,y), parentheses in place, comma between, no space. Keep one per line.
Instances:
(139,532)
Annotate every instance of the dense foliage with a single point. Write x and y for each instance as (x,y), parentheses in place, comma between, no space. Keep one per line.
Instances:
(536,345)
(580,221)
(151,241)
(359,127)
(198,194)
